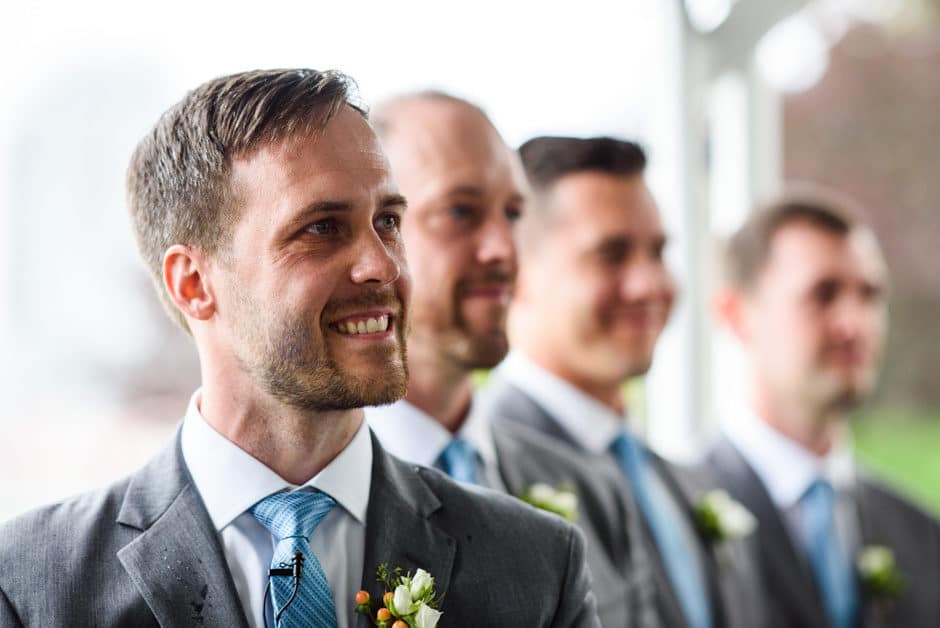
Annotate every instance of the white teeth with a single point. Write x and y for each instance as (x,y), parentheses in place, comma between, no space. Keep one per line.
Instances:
(368,326)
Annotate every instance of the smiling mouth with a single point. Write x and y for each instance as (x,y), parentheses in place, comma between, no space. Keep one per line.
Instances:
(356,326)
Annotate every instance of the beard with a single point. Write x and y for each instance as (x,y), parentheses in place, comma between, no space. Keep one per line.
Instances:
(288,362)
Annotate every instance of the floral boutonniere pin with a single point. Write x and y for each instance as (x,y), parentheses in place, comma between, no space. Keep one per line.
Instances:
(409,601)
(879,573)
(720,518)
(561,500)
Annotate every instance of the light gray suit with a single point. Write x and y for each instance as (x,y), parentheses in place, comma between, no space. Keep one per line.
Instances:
(144,552)
(525,457)
(884,517)
(511,405)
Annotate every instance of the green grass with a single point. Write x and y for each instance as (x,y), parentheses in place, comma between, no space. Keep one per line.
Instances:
(903,448)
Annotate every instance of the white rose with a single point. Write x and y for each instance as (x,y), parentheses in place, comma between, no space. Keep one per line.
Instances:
(402,601)
(541,492)
(426,617)
(735,520)
(421,584)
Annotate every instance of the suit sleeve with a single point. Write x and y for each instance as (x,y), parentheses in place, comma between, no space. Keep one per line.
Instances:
(577,607)
(8,616)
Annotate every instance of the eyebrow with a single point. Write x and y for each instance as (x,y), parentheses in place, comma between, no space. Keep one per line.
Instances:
(475,192)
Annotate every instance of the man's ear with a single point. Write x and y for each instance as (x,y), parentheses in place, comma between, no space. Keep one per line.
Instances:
(729,308)
(187,282)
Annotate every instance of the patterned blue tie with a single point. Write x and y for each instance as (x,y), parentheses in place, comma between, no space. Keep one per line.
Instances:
(291,518)
(673,544)
(834,573)
(459,461)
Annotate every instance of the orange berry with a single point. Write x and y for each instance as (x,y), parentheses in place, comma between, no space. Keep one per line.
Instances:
(383,614)
(362,598)
(388,597)
(399,624)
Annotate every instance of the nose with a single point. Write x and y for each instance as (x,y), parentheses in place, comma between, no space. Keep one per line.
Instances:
(855,316)
(646,278)
(496,242)
(376,261)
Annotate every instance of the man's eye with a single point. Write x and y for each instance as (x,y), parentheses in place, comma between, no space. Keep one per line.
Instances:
(326,226)
(461,212)
(389,222)
(513,213)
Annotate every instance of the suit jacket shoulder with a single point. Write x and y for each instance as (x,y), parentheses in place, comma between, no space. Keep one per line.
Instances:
(495,559)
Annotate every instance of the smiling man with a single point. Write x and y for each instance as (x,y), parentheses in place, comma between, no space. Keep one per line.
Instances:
(265,210)
(805,296)
(466,192)
(593,296)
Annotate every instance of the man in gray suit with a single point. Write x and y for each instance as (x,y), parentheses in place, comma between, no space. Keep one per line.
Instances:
(265,209)
(466,192)
(805,296)
(593,296)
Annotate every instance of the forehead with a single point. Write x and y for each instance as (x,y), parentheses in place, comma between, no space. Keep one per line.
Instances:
(599,204)
(342,161)
(802,254)
(437,146)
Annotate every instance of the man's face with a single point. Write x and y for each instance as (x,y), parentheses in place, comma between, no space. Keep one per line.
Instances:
(597,284)
(464,189)
(314,287)
(815,321)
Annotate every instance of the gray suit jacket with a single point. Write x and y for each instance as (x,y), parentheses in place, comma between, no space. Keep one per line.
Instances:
(884,517)
(144,552)
(511,405)
(526,457)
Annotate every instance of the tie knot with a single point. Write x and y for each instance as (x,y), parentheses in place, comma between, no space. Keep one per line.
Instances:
(819,493)
(627,451)
(459,460)
(294,514)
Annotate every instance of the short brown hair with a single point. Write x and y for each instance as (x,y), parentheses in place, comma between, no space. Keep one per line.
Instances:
(748,250)
(178,187)
(548,158)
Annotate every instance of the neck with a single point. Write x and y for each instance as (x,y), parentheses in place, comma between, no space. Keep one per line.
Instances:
(816,431)
(295,444)
(441,389)
(608,393)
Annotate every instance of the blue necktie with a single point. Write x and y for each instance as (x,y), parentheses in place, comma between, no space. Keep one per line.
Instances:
(291,518)
(459,461)
(674,546)
(834,574)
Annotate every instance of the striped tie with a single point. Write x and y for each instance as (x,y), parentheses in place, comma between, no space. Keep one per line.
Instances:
(291,518)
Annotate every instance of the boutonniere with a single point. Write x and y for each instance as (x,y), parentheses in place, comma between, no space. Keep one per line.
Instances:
(879,572)
(561,500)
(720,518)
(409,601)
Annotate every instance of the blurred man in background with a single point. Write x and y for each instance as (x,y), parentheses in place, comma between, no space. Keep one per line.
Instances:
(805,296)
(466,192)
(592,298)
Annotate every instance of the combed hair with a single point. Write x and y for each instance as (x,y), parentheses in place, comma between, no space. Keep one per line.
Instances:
(748,250)
(178,182)
(548,158)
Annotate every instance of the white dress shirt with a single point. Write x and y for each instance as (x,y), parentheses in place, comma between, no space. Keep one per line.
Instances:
(787,470)
(413,435)
(231,481)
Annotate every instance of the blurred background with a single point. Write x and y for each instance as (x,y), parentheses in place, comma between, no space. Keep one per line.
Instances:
(731,99)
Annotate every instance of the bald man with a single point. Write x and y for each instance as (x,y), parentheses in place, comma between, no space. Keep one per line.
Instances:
(466,190)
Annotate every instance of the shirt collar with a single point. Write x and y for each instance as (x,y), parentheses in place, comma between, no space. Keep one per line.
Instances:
(785,467)
(585,419)
(413,435)
(230,480)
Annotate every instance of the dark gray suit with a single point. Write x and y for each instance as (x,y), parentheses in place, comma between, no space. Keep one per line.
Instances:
(525,457)
(884,518)
(144,552)
(511,405)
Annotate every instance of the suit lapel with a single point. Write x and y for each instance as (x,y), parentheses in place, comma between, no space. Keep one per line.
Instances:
(176,563)
(787,578)
(398,530)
